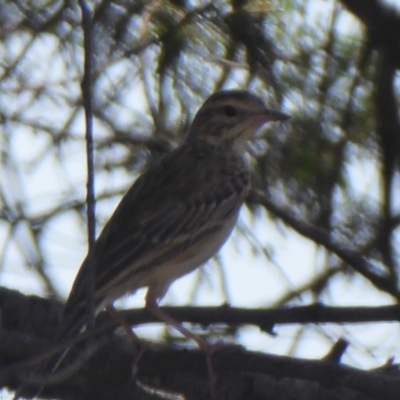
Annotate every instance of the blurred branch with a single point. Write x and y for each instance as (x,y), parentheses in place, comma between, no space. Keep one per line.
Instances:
(40,317)
(336,352)
(265,318)
(87,102)
(324,238)
(383,24)
(110,371)
(388,130)
(90,195)
(111,367)
(241,374)
(315,285)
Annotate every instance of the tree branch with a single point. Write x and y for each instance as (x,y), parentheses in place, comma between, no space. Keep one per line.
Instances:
(31,315)
(324,238)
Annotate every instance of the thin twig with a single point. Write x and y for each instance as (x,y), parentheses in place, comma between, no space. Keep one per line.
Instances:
(87,103)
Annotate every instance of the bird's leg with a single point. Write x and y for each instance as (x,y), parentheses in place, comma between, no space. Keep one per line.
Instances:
(152,307)
(209,350)
(118,317)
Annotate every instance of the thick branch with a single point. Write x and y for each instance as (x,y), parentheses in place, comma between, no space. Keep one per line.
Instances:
(382,22)
(31,315)
(110,369)
(109,373)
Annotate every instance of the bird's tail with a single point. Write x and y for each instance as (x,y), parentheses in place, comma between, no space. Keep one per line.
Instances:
(66,347)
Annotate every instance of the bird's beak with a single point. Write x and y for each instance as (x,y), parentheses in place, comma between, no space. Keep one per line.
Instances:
(272,115)
(261,118)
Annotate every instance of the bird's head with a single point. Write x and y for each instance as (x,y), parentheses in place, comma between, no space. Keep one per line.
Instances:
(231,118)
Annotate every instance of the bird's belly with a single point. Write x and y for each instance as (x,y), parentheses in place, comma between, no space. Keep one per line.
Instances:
(195,255)
(159,275)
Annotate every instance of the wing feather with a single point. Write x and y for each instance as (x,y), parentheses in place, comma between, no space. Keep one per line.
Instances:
(169,208)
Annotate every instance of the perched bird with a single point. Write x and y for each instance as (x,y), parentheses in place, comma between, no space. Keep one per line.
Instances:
(177,214)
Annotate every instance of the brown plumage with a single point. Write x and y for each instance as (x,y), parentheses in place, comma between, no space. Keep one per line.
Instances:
(178,213)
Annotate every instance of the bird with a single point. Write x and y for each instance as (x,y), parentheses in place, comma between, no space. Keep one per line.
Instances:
(176,215)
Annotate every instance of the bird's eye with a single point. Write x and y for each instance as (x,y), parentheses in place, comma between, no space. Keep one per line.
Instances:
(230,111)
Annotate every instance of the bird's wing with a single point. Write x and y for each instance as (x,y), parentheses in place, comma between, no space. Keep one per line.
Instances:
(168,209)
